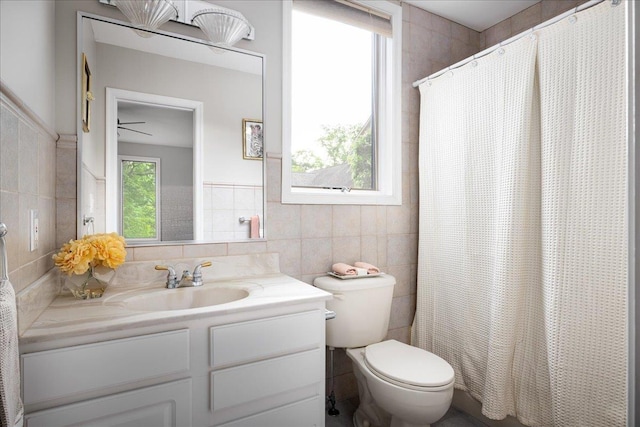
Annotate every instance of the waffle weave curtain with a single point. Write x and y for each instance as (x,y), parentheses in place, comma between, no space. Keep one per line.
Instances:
(522,274)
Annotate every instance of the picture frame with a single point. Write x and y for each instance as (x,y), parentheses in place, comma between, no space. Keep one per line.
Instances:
(252,139)
(87,96)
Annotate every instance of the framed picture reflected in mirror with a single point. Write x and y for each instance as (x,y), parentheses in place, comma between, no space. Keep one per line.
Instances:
(252,141)
(87,96)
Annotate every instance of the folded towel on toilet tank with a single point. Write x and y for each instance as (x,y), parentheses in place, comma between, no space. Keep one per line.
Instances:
(371,269)
(344,269)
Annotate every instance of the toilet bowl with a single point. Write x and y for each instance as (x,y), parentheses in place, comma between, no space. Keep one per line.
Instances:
(413,387)
(399,385)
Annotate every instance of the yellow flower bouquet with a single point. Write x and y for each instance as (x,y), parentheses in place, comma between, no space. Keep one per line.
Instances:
(86,260)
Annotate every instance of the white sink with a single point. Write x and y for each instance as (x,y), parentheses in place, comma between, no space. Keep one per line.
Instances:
(185,298)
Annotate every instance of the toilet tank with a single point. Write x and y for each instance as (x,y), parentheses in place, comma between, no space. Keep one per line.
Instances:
(362,308)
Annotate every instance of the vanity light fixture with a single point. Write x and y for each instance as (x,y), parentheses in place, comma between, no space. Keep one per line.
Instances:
(147,14)
(223,27)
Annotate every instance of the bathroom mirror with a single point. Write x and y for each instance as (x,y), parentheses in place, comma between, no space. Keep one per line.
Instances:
(164,159)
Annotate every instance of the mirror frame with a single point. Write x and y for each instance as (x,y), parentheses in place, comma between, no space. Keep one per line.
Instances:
(198,215)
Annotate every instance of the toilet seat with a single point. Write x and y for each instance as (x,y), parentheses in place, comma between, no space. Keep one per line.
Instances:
(408,367)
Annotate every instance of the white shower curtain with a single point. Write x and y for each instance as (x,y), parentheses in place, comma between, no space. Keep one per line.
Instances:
(523,237)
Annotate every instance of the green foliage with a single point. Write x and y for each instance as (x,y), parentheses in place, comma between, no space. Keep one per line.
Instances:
(341,144)
(139,200)
(305,161)
(337,142)
(360,158)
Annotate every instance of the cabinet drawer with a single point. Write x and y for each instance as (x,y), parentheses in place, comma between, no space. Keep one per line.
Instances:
(262,380)
(71,371)
(307,413)
(165,405)
(261,339)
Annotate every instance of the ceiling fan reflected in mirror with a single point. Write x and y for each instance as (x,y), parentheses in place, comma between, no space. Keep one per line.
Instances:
(120,126)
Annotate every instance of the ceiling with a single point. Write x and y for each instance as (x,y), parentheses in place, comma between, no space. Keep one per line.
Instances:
(475,14)
(168,126)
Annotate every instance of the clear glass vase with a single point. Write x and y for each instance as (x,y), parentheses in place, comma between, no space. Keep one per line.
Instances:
(91,284)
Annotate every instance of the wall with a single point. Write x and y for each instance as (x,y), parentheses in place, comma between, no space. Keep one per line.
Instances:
(93,201)
(27,181)
(224,204)
(28,147)
(528,18)
(27,46)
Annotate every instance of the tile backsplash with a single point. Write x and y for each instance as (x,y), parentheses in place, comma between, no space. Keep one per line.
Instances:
(224,204)
(27,182)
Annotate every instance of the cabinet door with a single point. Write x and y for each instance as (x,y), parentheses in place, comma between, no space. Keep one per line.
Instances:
(259,382)
(251,341)
(164,405)
(71,372)
(306,413)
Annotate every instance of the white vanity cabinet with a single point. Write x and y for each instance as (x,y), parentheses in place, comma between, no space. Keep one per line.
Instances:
(77,373)
(265,364)
(259,370)
(164,405)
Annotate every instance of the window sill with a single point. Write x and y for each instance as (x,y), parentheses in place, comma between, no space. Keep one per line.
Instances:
(310,196)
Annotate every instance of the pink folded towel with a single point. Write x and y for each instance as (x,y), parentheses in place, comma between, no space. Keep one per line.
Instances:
(344,269)
(371,269)
(254,232)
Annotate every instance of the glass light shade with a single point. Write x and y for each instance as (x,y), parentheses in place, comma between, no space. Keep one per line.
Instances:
(223,27)
(147,14)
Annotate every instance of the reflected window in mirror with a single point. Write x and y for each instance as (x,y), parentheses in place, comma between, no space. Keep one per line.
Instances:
(343,122)
(140,201)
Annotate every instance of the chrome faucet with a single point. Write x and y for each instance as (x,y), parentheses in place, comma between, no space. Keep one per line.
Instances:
(187,279)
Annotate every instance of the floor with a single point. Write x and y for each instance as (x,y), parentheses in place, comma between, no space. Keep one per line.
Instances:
(453,418)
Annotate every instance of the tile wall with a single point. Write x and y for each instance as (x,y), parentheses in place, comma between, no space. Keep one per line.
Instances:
(176,207)
(528,18)
(27,182)
(224,204)
(93,199)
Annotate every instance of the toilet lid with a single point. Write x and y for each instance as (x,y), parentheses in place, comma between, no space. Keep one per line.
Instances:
(408,365)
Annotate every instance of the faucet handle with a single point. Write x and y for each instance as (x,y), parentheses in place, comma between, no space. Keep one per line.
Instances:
(172,279)
(168,268)
(198,267)
(197,273)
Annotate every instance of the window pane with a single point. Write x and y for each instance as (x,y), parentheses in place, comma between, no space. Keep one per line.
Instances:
(139,204)
(332,99)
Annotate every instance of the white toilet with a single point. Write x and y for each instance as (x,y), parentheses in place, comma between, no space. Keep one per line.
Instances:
(399,385)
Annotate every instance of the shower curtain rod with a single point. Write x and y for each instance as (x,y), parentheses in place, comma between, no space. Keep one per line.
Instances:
(487,51)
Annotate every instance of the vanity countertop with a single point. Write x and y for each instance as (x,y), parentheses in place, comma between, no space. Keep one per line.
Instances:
(67,317)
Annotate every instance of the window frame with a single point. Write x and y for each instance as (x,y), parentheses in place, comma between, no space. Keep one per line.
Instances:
(389,144)
(131,158)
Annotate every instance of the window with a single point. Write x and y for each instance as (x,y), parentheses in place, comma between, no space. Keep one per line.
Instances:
(341,102)
(140,201)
